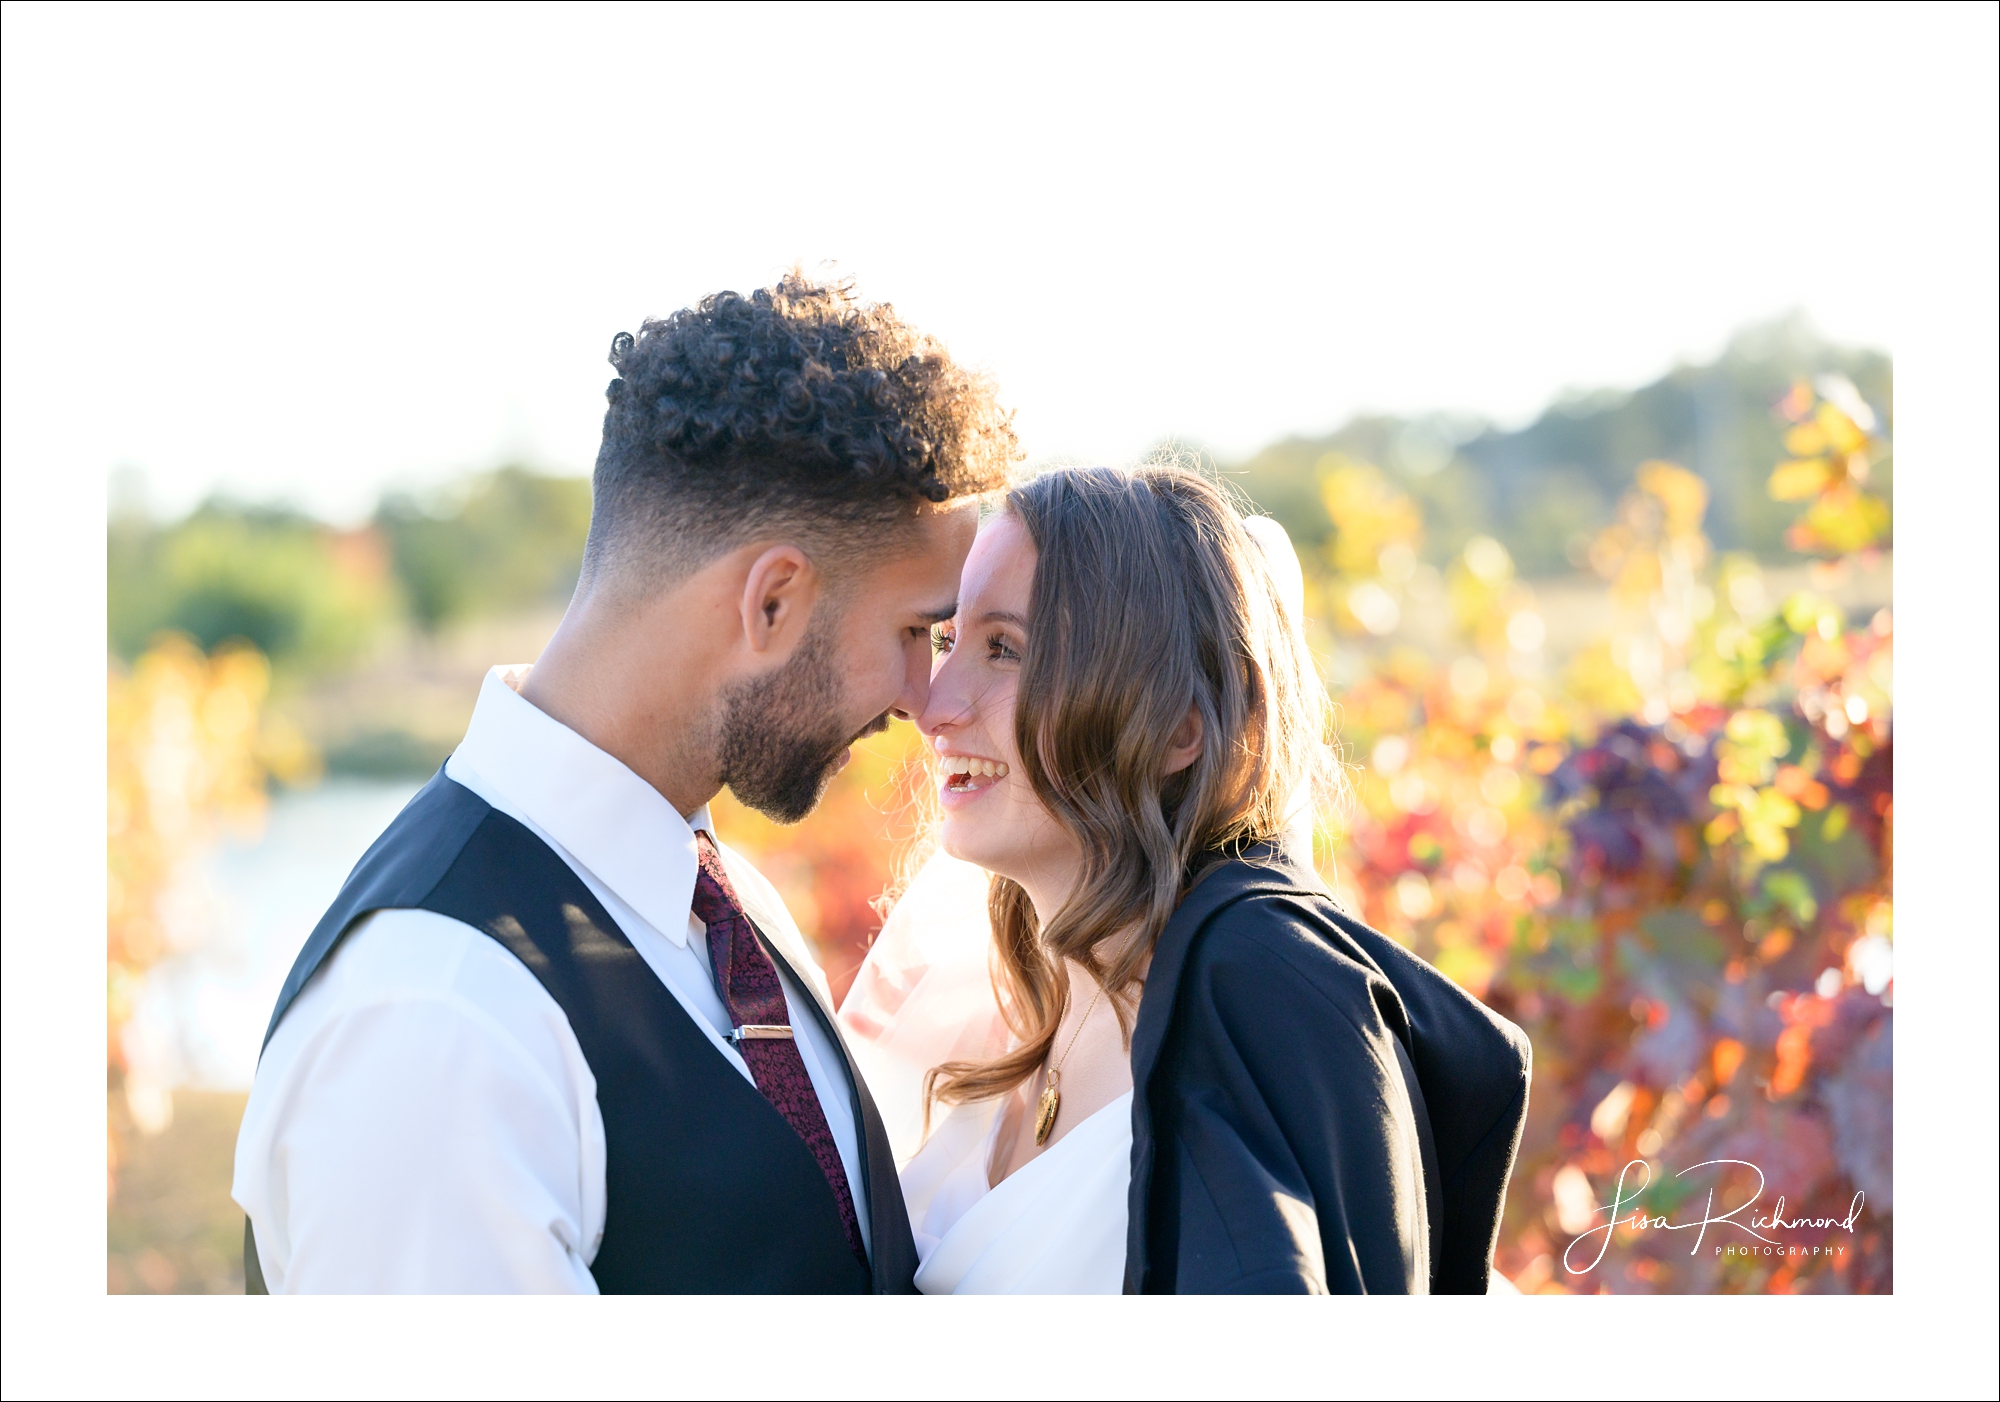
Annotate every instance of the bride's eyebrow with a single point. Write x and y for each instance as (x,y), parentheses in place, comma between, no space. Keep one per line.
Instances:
(1001,617)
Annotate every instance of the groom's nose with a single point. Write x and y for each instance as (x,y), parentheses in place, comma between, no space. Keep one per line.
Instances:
(915,695)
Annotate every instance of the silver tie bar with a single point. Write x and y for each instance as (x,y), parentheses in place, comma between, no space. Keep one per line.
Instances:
(761,1032)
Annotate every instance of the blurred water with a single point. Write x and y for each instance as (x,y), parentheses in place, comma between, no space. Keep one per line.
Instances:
(242,914)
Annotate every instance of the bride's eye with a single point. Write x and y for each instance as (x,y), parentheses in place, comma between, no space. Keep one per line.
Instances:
(940,637)
(1000,650)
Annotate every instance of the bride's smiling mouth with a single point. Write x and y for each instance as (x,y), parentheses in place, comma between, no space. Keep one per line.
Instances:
(962,777)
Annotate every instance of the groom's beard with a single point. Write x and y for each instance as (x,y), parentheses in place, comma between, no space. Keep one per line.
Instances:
(782,735)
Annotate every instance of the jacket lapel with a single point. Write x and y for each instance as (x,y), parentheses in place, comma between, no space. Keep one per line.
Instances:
(1222,884)
(1262,868)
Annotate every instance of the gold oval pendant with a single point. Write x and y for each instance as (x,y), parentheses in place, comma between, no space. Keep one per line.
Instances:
(1045,1115)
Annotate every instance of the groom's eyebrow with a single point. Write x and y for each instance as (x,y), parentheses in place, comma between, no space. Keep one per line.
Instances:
(943,615)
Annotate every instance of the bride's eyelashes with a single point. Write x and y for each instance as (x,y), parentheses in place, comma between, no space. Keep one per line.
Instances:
(998,649)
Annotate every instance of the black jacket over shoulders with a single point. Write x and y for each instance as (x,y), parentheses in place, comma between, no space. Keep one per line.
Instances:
(1315,1108)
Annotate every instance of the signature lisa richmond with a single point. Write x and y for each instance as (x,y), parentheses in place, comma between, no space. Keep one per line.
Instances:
(1742,1217)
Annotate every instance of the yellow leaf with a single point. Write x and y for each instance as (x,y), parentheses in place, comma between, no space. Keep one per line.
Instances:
(1760,730)
(1847,520)
(1684,495)
(1768,842)
(1800,479)
(1808,440)
(1367,512)
(1775,809)
(1732,796)
(1841,434)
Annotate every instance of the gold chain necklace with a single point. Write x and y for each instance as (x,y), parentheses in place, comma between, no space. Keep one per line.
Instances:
(1051,1102)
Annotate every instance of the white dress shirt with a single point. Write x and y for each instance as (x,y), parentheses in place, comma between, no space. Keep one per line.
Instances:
(424,1120)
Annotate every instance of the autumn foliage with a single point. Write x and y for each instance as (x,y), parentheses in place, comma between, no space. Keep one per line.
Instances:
(190,747)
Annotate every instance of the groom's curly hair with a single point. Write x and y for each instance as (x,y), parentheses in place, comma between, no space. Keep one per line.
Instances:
(798,410)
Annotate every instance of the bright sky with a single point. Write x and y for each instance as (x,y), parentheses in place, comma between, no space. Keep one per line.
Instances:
(307,253)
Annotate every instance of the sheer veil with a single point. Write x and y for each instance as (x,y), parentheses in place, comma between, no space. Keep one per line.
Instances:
(924,994)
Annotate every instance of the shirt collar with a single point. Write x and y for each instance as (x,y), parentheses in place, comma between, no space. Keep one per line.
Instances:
(603,815)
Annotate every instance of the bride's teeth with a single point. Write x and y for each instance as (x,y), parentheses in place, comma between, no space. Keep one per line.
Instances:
(965,768)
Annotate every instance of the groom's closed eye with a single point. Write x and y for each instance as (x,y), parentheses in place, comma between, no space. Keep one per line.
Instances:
(928,623)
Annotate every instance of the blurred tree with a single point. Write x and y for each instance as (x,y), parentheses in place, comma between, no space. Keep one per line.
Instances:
(1544,490)
(501,542)
(302,594)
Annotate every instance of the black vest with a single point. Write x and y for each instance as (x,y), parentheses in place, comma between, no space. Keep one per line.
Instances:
(708,1190)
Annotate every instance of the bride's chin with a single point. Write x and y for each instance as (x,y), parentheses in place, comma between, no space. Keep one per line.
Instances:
(955,841)
(950,841)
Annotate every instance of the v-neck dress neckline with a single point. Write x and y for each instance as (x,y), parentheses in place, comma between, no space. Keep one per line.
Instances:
(1054,1226)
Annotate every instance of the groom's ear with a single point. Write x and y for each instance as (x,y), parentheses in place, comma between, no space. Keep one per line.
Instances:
(778,597)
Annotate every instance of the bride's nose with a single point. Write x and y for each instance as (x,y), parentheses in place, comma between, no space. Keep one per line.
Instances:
(950,703)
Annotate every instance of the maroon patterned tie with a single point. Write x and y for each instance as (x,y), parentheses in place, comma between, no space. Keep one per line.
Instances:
(756,1002)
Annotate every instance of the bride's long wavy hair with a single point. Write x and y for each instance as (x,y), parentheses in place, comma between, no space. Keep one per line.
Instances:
(1149,596)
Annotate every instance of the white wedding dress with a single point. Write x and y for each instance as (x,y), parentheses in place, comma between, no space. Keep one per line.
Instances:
(1056,1225)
